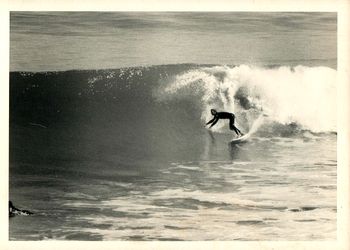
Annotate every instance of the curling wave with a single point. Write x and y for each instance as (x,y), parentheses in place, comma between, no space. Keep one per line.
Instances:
(303,96)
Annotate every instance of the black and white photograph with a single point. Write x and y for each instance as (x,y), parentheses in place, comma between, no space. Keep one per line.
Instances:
(173,125)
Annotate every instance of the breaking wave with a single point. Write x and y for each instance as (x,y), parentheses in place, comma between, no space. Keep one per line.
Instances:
(303,97)
(175,100)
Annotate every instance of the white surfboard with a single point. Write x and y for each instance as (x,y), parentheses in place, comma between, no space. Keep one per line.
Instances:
(252,130)
(241,138)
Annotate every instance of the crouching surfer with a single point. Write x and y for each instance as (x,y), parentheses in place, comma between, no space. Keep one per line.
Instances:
(224,115)
(15,211)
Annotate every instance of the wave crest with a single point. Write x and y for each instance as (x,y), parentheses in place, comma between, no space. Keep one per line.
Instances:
(287,95)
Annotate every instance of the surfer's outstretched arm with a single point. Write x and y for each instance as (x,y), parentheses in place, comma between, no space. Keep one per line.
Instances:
(210,121)
(214,122)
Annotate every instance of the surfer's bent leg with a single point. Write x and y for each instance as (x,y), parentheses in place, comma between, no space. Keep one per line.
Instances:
(233,127)
(232,123)
(236,130)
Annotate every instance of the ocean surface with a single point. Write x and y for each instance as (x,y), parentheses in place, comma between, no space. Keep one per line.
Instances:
(124,154)
(51,41)
(107,125)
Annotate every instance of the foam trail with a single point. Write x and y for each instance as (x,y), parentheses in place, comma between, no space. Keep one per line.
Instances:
(256,124)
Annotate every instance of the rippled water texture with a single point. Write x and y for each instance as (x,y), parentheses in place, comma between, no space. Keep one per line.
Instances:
(280,189)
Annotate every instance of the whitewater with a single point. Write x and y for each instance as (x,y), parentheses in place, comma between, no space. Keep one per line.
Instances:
(124,154)
(304,95)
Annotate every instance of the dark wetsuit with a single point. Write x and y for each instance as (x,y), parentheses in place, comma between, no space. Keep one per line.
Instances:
(15,211)
(225,115)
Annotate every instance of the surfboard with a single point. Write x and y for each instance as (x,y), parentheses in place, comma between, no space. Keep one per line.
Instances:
(252,130)
(242,138)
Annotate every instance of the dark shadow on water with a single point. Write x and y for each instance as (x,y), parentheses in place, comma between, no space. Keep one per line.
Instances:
(211,137)
(235,150)
(218,146)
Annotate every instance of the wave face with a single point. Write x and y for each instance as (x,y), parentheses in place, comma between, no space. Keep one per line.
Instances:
(161,110)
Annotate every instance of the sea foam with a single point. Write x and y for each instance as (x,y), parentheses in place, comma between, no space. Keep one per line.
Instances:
(301,95)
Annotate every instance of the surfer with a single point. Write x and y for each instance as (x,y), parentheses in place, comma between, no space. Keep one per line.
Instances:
(15,211)
(224,115)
